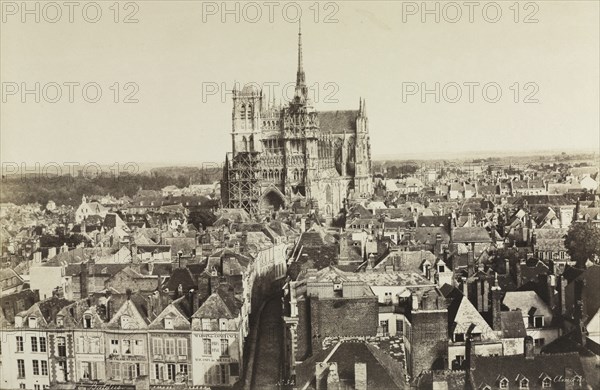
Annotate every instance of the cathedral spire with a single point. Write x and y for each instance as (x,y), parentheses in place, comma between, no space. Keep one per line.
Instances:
(301,90)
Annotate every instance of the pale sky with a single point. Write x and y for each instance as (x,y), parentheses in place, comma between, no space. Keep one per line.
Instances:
(172,54)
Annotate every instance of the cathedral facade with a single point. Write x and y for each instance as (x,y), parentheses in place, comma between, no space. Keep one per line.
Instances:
(281,154)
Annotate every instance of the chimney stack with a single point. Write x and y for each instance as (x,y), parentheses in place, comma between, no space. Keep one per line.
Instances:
(360,376)
(529,349)
(496,306)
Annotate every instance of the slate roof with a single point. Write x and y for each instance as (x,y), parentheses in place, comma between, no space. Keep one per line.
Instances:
(383,372)
(488,370)
(470,234)
(512,324)
(338,121)
(221,304)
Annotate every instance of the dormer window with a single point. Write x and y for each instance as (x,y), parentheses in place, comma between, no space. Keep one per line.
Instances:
(32,322)
(223,324)
(87,321)
(524,383)
(124,322)
(504,383)
(60,321)
(547,382)
(577,380)
(168,323)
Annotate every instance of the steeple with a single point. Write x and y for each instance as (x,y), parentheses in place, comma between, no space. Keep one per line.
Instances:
(301,90)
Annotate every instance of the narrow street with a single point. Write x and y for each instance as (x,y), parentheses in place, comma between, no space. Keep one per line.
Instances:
(270,346)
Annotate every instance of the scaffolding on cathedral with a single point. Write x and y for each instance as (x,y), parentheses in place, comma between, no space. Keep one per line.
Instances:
(243,191)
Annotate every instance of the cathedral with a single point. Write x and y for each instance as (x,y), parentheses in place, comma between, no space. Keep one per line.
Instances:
(282,154)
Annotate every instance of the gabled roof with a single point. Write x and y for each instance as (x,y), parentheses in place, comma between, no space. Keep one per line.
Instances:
(220,304)
(383,372)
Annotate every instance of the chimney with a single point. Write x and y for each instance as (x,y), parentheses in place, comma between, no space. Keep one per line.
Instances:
(320,372)
(496,306)
(83,279)
(151,267)
(529,349)
(438,244)
(360,376)
(486,295)
(415,302)
(90,266)
(506,267)
(465,287)
(471,261)
(128,292)
(302,224)
(469,354)
(563,287)
(333,377)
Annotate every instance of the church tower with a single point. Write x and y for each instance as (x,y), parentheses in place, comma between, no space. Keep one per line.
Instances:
(300,131)
(363,181)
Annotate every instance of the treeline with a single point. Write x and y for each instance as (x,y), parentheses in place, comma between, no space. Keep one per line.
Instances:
(68,190)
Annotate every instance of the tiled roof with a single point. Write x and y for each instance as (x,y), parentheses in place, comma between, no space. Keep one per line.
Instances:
(470,234)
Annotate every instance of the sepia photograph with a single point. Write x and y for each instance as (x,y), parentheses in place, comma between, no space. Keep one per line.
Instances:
(299,195)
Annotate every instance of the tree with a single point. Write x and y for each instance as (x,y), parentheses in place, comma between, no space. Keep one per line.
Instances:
(583,243)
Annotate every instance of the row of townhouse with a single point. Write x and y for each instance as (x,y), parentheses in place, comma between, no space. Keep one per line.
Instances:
(118,338)
(192,333)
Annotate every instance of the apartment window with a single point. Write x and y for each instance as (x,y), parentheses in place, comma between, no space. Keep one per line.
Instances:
(62,371)
(171,372)
(459,337)
(42,344)
(223,374)
(87,321)
(34,344)
(19,343)
(22,386)
(114,346)
(158,371)
(86,370)
(126,347)
(536,321)
(44,367)
(21,368)
(183,369)
(115,371)
(539,342)
(94,345)
(32,322)
(62,346)
(157,346)
(129,371)
(36,367)
(206,344)
(37,387)
(224,347)
(169,347)
(138,347)
(182,348)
